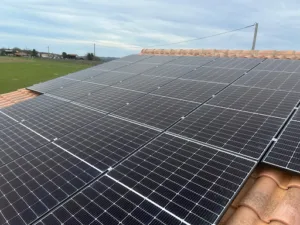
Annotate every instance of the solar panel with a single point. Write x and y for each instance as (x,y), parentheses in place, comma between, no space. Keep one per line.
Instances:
(192,181)
(144,83)
(191,60)
(220,75)
(112,65)
(84,74)
(109,99)
(159,59)
(137,67)
(5,121)
(169,70)
(31,185)
(134,58)
(105,142)
(285,65)
(235,63)
(51,85)
(16,141)
(108,202)
(61,120)
(237,131)
(110,78)
(156,111)
(32,106)
(195,91)
(77,90)
(286,151)
(263,101)
(272,80)
(297,116)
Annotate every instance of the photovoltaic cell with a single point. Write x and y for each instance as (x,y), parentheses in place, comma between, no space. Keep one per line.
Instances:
(234,63)
(32,106)
(77,90)
(144,83)
(51,85)
(137,67)
(105,142)
(62,120)
(272,80)
(108,202)
(159,59)
(110,99)
(169,71)
(240,132)
(33,184)
(6,121)
(191,60)
(192,181)
(285,65)
(156,111)
(263,101)
(110,78)
(195,91)
(16,141)
(84,74)
(220,75)
(112,65)
(286,151)
(297,116)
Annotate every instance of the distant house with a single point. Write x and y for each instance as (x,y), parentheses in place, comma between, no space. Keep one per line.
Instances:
(49,55)
(72,56)
(9,52)
(21,54)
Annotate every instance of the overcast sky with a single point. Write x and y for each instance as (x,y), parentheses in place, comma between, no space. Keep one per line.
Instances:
(122,27)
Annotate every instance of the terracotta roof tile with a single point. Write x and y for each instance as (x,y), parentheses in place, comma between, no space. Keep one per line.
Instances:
(11,98)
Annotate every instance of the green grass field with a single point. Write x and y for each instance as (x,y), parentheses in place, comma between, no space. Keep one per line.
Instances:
(18,73)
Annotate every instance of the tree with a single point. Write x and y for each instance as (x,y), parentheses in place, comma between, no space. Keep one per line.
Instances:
(16,49)
(34,53)
(90,56)
(64,55)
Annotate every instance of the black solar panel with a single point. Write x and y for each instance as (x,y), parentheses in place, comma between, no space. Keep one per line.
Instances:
(191,60)
(32,106)
(156,111)
(263,101)
(235,63)
(77,90)
(169,70)
(134,58)
(5,121)
(221,75)
(31,185)
(297,116)
(112,65)
(159,59)
(108,202)
(106,141)
(195,91)
(16,141)
(51,85)
(192,181)
(110,99)
(84,74)
(137,67)
(240,132)
(61,120)
(272,80)
(110,78)
(286,152)
(144,83)
(285,65)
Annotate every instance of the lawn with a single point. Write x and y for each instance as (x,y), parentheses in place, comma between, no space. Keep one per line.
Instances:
(18,73)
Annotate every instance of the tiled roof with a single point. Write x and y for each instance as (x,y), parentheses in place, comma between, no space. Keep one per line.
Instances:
(11,98)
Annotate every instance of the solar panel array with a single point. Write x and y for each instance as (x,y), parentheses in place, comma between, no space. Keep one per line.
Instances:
(146,140)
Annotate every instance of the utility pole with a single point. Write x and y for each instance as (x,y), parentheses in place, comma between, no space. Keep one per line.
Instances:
(254,37)
(48,51)
(94,49)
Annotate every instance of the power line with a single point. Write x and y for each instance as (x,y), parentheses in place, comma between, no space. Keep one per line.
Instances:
(195,39)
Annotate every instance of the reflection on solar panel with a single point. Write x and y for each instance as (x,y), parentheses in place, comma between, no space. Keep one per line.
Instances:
(280,65)
(105,142)
(115,64)
(61,120)
(5,121)
(237,131)
(38,181)
(235,63)
(156,111)
(193,61)
(77,90)
(159,59)
(144,83)
(31,107)
(169,70)
(109,99)
(221,75)
(51,85)
(263,101)
(110,78)
(84,74)
(134,58)
(137,67)
(272,80)
(107,202)
(16,141)
(192,181)
(190,90)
